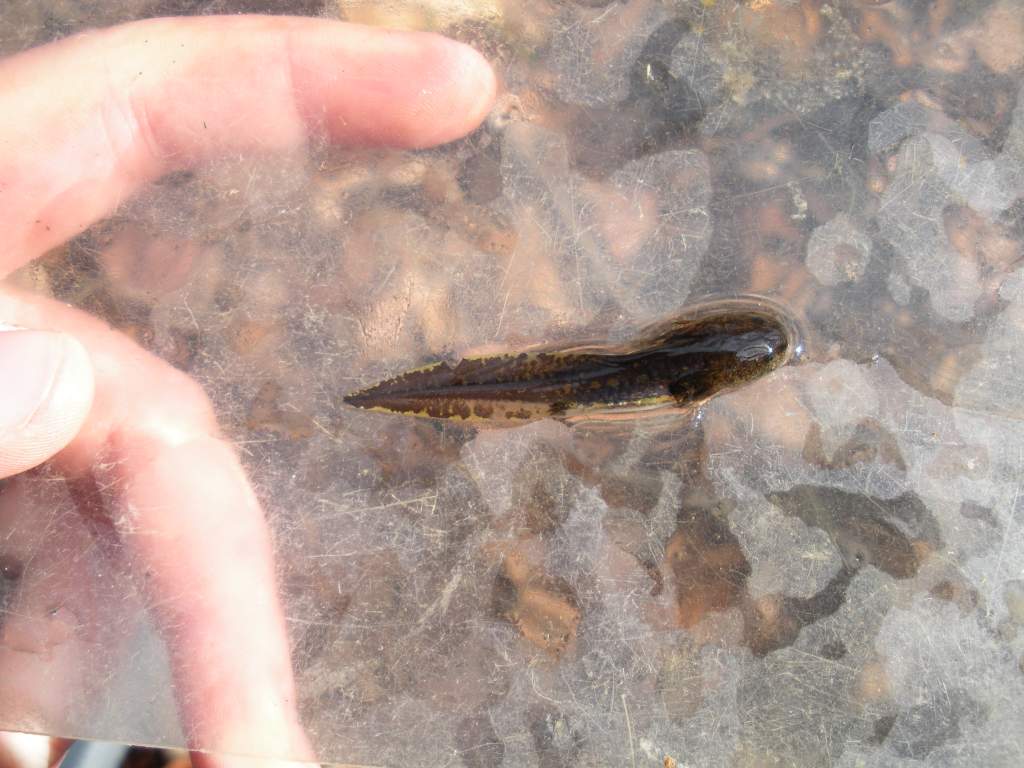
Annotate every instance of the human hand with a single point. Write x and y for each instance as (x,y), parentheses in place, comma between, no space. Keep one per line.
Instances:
(86,122)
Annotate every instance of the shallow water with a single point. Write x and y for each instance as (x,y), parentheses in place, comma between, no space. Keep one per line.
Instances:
(825,568)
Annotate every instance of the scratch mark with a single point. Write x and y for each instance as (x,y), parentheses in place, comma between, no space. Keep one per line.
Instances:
(629,732)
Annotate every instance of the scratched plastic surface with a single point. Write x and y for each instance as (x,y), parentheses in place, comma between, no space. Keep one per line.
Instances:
(826,569)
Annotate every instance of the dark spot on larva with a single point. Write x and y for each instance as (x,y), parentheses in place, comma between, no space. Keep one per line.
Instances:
(461,409)
(440,409)
(559,408)
(483,410)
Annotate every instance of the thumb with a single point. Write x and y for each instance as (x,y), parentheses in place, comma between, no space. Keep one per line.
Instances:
(46,387)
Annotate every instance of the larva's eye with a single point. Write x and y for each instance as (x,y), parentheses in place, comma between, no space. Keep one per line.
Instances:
(760,351)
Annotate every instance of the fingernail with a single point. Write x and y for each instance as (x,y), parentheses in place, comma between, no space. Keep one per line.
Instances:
(221,761)
(29,364)
(482,83)
(27,750)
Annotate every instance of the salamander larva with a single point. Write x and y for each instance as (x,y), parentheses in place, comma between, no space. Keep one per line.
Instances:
(709,348)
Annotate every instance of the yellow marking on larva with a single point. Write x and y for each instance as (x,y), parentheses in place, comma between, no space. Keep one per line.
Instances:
(424,413)
(643,403)
(423,368)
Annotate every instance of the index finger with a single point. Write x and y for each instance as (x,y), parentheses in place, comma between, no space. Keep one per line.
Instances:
(91,118)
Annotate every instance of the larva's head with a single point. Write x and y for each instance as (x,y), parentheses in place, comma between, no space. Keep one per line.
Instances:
(722,344)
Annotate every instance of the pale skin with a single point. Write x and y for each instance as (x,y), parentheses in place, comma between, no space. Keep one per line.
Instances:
(90,120)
